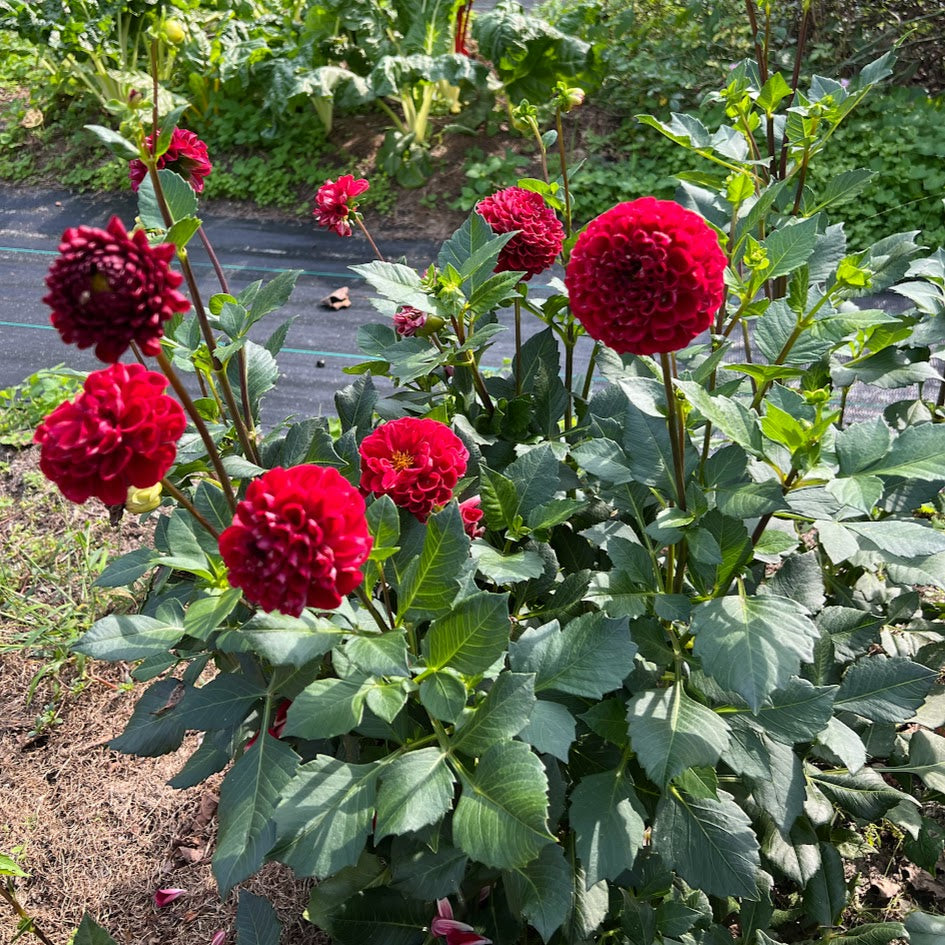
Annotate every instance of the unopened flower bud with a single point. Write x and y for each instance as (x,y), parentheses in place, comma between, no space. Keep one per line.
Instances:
(566,97)
(174,32)
(140,501)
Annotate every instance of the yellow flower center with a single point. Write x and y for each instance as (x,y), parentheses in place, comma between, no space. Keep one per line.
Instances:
(99,283)
(401,461)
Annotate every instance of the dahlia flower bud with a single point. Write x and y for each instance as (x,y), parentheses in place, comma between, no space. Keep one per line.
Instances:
(120,432)
(471,514)
(540,235)
(186,155)
(334,203)
(646,277)
(455,932)
(567,98)
(298,540)
(108,288)
(409,320)
(417,462)
(140,501)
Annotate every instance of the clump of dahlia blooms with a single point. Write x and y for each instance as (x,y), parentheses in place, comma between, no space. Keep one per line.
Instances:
(298,540)
(334,203)
(186,155)
(109,288)
(537,244)
(646,277)
(120,432)
(417,462)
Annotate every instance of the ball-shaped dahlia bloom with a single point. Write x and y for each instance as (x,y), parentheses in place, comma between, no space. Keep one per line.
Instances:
(417,462)
(298,540)
(186,155)
(121,431)
(109,288)
(540,236)
(334,203)
(646,277)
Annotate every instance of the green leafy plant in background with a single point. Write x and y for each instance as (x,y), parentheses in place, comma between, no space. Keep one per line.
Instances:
(649,694)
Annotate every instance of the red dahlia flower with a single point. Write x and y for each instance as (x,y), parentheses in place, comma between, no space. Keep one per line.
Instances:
(333,203)
(537,244)
(298,540)
(186,155)
(471,514)
(108,288)
(121,431)
(416,462)
(646,277)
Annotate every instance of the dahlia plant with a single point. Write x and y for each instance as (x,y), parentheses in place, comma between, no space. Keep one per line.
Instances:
(623,646)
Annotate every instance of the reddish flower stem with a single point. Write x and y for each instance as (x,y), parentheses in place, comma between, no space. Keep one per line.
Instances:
(212,452)
(182,499)
(364,230)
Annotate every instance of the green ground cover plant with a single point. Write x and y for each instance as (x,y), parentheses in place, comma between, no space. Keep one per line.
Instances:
(624,643)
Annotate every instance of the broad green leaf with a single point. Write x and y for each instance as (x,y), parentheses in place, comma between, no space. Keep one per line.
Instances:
(927,759)
(506,569)
(273,295)
(885,689)
(734,419)
(181,200)
(750,499)
(222,703)
(256,921)
(214,753)
(282,640)
(550,729)
(381,655)
(607,820)
(129,637)
(844,743)
(535,475)
(205,616)
(423,873)
(591,656)
(781,794)
(753,645)
(589,905)
(8,867)
(710,843)
(431,581)
(790,247)
(499,498)
(798,711)
(379,916)
(825,895)
(415,791)
(153,728)
(671,732)
(772,92)
(116,143)
(91,933)
(248,797)
(795,854)
(443,696)
(541,890)
(501,817)
(127,569)
(840,188)
(873,933)
(925,929)
(397,282)
(472,636)
(472,251)
(917,453)
(324,816)
(501,715)
(864,795)
(327,707)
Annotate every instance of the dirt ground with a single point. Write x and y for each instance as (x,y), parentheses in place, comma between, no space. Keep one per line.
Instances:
(96,830)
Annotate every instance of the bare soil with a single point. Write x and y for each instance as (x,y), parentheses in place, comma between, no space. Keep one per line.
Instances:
(99,831)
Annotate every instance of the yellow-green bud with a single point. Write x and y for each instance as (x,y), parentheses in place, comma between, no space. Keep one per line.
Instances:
(140,501)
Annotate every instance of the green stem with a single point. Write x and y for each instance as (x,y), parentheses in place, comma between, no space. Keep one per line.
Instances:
(211,447)
(564,173)
(569,343)
(518,346)
(674,421)
(371,609)
(589,376)
(27,923)
(182,499)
